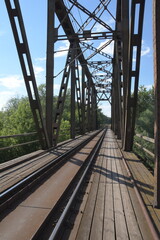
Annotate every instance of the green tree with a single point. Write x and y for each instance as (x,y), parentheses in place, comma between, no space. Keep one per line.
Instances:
(145,112)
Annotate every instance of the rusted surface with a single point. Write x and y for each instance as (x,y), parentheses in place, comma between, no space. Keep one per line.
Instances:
(23,221)
(24,168)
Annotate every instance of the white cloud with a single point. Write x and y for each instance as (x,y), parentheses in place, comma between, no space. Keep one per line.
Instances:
(5,96)
(145,49)
(109,49)
(11,82)
(42,59)
(56,86)
(148,86)
(106,108)
(100,28)
(38,70)
(64,47)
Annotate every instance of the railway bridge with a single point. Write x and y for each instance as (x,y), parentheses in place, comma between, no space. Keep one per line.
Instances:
(91,186)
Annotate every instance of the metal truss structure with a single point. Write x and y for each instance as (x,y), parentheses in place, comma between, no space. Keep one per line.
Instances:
(93,77)
(94,73)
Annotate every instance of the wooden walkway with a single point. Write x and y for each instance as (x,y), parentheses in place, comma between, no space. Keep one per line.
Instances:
(144,181)
(110,208)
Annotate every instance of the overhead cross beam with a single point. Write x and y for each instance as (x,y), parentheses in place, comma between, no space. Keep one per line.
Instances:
(89,46)
(95,12)
(91,14)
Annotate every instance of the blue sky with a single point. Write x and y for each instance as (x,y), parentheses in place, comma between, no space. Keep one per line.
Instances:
(34,14)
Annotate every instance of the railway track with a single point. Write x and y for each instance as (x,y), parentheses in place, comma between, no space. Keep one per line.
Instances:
(47,194)
(19,169)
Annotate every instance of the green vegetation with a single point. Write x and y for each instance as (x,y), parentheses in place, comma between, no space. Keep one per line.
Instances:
(145,124)
(17,118)
(145,112)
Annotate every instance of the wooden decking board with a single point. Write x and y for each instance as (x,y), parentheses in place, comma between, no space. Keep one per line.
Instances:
(146,190)
(141,221)
(137,171)
(120,222)
(86,223)
(131,221)
(148,177)
(147,193)
(117,213)
(131,157)
(109,227)
(98,218)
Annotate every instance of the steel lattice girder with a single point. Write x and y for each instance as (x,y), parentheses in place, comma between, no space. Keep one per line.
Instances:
(135,41)
(14,13)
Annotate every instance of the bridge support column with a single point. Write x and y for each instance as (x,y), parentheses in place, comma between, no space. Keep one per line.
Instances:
(135,41)
(89,104)
(125,63)
(73,85)
(83,102)
(49,70)
(156,46)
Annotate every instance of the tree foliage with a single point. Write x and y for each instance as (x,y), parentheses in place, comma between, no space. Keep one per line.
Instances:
(145,124)
(17,118)
(145,112)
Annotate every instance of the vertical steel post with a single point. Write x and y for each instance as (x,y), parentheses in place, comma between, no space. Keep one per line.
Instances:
(117,75)
(73,84)
(156,48)
(135,41)
(94,107)
(125,63)
(50,69)
(83,101)
(113,100)
(89,104)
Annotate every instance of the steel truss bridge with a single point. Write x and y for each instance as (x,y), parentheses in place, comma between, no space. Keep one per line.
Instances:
(91,71)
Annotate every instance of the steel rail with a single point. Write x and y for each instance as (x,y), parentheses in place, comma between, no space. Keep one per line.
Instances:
(75,192)
(38,156)
(13,191)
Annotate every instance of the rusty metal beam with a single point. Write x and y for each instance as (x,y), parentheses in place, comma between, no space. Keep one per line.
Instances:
(61,98)
(156,47)
(73,85)
(18,28)
(135,41)
(83,101)
(125,63)
(50,69)
(116,94)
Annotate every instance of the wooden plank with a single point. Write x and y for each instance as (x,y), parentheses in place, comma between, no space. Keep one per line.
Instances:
(145,149)
(140,218)
(70,234)
(97,223)
(109,228)
(145,186)
(148,139)
(120,222)
(131,221)
(85,226)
